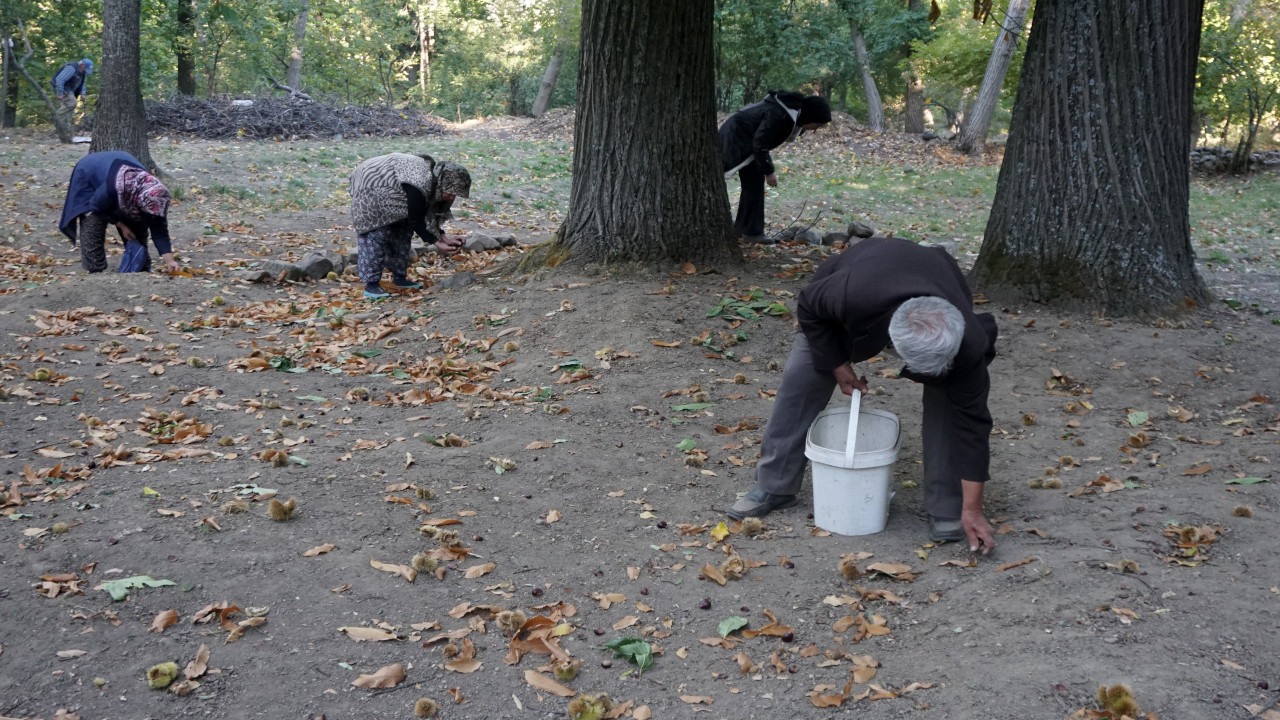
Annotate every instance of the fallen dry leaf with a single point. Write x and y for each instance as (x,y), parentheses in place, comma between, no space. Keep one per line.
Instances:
(384,677)
(626,622)
(403,571)
(68,654)
(541,682)
(367,634)
(476,571)
(319,550)
(553,516)
(163,620)
(539,445)
(197,667)
(697,699)
(1200,469)
(711,572)
(1016,563)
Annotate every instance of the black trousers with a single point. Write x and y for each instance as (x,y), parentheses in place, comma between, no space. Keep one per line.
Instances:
(750,219)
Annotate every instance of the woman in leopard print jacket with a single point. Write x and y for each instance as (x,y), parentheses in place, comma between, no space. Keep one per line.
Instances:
(394,196)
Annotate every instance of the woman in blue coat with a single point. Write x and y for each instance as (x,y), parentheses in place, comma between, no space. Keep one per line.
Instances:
(114,188)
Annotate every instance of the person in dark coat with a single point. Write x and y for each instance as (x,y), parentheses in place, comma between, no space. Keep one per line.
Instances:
(879,291)
(393,197)
(746,139)
(113,188)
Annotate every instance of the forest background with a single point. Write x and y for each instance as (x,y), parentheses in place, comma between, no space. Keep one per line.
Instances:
(464,59)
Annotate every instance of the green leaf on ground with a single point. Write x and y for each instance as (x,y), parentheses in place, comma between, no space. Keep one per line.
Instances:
(1138,418)
(635,650)
(686,444)
(367,352)
(1246,481)
(119,589)
(730,624)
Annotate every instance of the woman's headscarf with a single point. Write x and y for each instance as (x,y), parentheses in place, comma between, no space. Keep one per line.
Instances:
(452,178)
(139,192)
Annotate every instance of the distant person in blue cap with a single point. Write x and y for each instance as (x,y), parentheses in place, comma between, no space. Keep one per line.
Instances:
(68,86)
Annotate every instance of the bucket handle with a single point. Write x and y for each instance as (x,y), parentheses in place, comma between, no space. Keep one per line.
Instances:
(851,440)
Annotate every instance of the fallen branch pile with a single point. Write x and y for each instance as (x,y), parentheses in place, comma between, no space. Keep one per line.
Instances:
(283,118)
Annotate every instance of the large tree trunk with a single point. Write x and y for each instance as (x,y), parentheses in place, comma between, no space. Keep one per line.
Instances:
(184,42)
(875,110)
(293,78)
(120,122)
(1091,204)
(647,183)
(973,137)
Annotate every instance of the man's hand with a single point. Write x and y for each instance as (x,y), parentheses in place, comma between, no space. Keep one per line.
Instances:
(449,245)
(974,520)
(170,264)
(771,179)
(849,380)
(125,233)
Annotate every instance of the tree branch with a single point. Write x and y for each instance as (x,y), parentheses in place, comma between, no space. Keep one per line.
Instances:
(291,91)
(64,133)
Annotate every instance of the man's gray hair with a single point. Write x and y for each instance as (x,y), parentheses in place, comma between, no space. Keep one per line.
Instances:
(927,331)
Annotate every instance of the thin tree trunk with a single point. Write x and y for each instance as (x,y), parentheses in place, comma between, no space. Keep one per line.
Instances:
(973,136)
(293,77)
(913,120)
(120,121)
(556,62)
(548,83)
(60,127)
(1091,207)
(647,184)
(7,112)
(875,110)
(184,45)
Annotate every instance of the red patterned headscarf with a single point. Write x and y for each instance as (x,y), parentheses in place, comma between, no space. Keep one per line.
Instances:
(140,192)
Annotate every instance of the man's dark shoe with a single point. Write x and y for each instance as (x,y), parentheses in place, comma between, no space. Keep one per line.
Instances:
(942,531)
(759,503)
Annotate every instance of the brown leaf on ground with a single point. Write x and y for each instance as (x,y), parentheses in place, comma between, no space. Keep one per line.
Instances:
(642,713)
(197,667)
(367,634)
(384,677)
(68,654)
(1016,563)
(403,571)
(209,612)
(711,572)
(456,692)
(553,516)
(476,571)
(539,445)
(541,682)
(744,664)
(697,699)
(463,666)
(163,620)
(319,550)
(626,622)
(242,626)
(1200,469)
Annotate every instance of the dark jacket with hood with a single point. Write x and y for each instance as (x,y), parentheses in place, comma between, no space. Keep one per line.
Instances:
(845,311)
(93,189)
(749,134)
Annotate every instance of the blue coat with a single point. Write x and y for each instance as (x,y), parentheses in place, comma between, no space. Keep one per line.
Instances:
(93,189)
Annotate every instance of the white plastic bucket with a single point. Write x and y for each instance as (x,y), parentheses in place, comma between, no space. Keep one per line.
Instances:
(852,467)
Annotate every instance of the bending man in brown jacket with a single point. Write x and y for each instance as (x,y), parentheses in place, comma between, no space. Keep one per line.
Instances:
(879,291)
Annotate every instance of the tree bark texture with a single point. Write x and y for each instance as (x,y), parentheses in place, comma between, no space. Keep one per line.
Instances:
(913,120)
(293,77)
(647,183)
(184,43)
(1091,207)
(973,137)
(875,109)
(8,84)
(548,83)
(120,122)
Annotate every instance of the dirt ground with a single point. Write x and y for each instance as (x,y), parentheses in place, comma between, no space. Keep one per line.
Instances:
(140,408)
